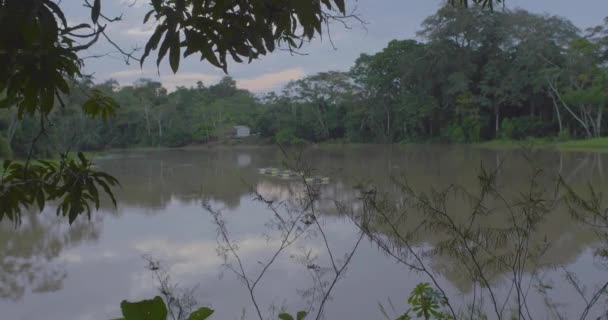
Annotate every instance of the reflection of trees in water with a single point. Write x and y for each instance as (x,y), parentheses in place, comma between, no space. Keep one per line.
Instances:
(154,178)
(28,253)
(425,170)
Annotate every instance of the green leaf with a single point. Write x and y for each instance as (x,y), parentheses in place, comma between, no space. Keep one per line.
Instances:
(301,315)
(285,316)
(96,11)
(201,314)
(154,309)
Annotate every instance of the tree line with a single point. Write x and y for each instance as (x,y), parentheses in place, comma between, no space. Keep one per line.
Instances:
(471,76)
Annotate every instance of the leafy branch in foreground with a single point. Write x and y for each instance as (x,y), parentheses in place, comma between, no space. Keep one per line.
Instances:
(220,29)
(70,182)
(37,62)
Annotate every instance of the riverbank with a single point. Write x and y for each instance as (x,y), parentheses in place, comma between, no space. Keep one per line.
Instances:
(585,145)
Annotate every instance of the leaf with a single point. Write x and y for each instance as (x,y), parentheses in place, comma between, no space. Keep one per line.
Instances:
(148,15)
(153,42)
(96,11)
(174,53)
(40,199)
(154,309)
(285,316)
(341,6)
(301,315)
(55,8)
(201,314)
(164,47)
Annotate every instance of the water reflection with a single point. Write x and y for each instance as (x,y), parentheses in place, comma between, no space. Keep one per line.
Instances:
(159,214)
(28,254)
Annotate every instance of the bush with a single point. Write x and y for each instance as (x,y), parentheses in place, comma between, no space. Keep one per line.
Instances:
(564,135)
(178,138)
(524,127)
(287,137)
(455,134)
(507,128)
(5,149)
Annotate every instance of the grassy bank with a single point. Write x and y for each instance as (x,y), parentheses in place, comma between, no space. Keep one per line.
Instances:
(586,145)
(594,145)
(517,144)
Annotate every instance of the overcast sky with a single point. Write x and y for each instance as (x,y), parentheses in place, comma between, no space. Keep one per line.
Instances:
(386,20)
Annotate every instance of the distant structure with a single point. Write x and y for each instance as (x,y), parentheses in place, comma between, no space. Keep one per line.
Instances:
(242,131)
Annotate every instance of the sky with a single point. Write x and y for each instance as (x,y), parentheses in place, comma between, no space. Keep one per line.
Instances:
(385,20)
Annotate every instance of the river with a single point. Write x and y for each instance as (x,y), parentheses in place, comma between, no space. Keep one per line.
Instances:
(52,271)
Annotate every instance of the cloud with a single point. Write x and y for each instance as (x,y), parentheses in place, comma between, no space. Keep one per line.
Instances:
(187,79)
(264,82)
(144,31)
(200,257)
(127,74)
(269,81)
(169,81)
(133,3)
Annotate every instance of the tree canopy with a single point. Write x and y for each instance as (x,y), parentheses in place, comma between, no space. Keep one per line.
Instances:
(471,77)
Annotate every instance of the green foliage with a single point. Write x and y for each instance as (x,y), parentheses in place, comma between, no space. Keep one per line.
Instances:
(426,303)
(455,133)
(286,316)
(596,144)
(287,137)
(100,105)
(154,309)
(524,127)
(40,61)
(564,135)
(71,182)
(507,129)
(208,28)
(409,92)
(201,314)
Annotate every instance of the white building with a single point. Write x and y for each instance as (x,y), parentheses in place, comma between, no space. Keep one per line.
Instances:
(242,131)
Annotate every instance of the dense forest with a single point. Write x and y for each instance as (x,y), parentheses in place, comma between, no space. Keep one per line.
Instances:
(471,76)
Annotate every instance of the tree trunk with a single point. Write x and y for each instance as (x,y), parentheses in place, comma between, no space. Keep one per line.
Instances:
(147,116)
(598,121)
(321,122)
(559,115)
(583,122)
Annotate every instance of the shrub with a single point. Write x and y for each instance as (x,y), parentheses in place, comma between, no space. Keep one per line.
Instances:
(287,136)
(178,138)
(524,127)
(564,135)
(455,134)
(507,128)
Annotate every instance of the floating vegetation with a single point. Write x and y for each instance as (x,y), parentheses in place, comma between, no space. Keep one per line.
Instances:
(290,174)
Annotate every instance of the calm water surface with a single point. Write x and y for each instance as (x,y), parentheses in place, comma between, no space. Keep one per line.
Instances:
(54,272)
